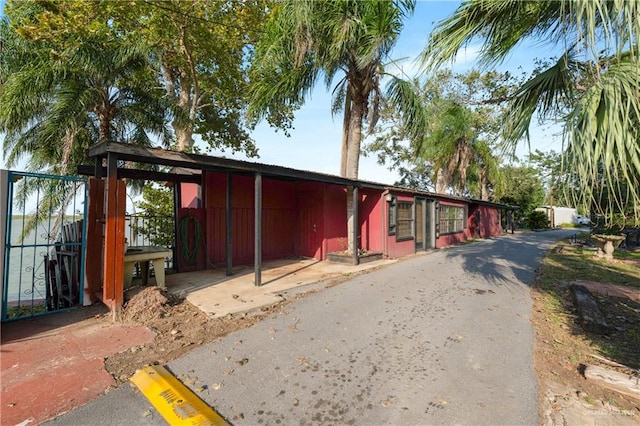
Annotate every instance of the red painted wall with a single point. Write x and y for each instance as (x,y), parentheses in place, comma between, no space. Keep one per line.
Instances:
(370,216)
(191,240)
(335,219)
(278,215)
(445,240)
(309,219)
(489,224)
(190,195)
(472,230)
(397,248)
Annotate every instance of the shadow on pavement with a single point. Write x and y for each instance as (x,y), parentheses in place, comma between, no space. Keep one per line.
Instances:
(488,258)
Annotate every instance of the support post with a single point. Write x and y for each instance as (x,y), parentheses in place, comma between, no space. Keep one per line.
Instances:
(356,225)
(97,173)
(95,238)
(113,284)
(258,227)
(4,217)
(177,205)
(229,224)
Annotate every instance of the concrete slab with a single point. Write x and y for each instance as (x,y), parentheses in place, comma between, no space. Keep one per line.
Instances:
(218,295)
(55,363)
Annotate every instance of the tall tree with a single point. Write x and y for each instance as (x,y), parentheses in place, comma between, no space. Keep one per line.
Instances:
(464,112)
(485,175)
(56,102)
(592,87)
(197,49)
(523,188)
(345,39)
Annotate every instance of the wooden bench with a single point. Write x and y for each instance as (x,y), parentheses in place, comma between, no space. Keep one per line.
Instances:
(145,255)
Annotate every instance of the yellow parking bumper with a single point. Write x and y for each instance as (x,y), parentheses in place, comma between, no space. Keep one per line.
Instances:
(173,400)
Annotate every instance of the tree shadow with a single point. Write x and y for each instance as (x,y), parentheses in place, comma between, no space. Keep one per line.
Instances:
(31,328)
(508,259)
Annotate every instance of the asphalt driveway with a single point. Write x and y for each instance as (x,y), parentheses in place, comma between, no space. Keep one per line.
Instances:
(442,338)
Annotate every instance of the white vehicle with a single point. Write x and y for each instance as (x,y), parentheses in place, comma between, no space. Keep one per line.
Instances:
(582,220)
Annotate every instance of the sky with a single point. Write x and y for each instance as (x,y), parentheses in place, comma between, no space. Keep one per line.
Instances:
(315,141)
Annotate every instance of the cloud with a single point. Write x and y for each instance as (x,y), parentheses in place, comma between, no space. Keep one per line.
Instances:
(405,68)
(467,57)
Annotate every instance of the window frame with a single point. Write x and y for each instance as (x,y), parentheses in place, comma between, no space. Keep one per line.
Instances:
(391,217)
(452,219)
(410,222)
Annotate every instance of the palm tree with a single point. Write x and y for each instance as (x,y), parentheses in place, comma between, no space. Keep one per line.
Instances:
(55,104)
(593,87)
(448,144)
(349,39)
(486,176)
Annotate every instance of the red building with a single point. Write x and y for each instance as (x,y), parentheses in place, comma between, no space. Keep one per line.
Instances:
(308,218)
(231,212)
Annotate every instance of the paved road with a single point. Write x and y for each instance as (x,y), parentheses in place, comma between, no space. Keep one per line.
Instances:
(443,338)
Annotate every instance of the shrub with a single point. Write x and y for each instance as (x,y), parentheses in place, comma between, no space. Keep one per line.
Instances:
(537,220)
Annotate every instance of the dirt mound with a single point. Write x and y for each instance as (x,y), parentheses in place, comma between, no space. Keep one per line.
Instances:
(147,304)
(179,327)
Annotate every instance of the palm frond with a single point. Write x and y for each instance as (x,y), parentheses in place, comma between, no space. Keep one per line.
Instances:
(404,96)
(548,93)
(602,134)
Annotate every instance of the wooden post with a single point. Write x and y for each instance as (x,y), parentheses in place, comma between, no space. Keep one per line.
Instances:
(98,168)
(113,290)
(229,225)
(95,238)
(258,232)
(356,225)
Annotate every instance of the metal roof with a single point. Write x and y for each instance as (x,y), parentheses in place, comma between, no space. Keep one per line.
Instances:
(141,154)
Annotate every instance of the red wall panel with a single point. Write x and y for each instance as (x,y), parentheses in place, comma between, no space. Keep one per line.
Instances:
(278,215)
(189,195)
(191,240)
(397,248)
(445,240)
(370,216)
(450,239)
(335,219)
(490,225)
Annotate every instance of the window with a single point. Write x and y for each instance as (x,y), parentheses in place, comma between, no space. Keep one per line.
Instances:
(392,216)
(404,217)
(451,219)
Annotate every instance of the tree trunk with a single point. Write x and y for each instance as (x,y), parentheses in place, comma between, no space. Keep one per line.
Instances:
(484,185)
(346,120)
(184,135)
(183,128)
(623,383)
(441,182)
(355,138)
(353,160)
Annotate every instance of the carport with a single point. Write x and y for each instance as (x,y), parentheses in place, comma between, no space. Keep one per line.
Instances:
(107,202)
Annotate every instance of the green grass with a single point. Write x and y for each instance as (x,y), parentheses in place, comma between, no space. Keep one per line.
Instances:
(562,266)
(626,255)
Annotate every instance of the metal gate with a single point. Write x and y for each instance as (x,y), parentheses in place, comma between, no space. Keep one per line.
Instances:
(44,243)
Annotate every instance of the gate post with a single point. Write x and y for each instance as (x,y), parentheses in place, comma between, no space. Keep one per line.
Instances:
(4,204)
(95,238)
(113,285)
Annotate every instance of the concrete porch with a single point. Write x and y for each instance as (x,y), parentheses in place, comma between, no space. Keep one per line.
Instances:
(219,295)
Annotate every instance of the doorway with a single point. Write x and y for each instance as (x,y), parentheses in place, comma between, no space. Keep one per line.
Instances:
(310,232)
(420,231)
(424,224)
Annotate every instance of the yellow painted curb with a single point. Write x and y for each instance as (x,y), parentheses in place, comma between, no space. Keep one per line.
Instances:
(173,400)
